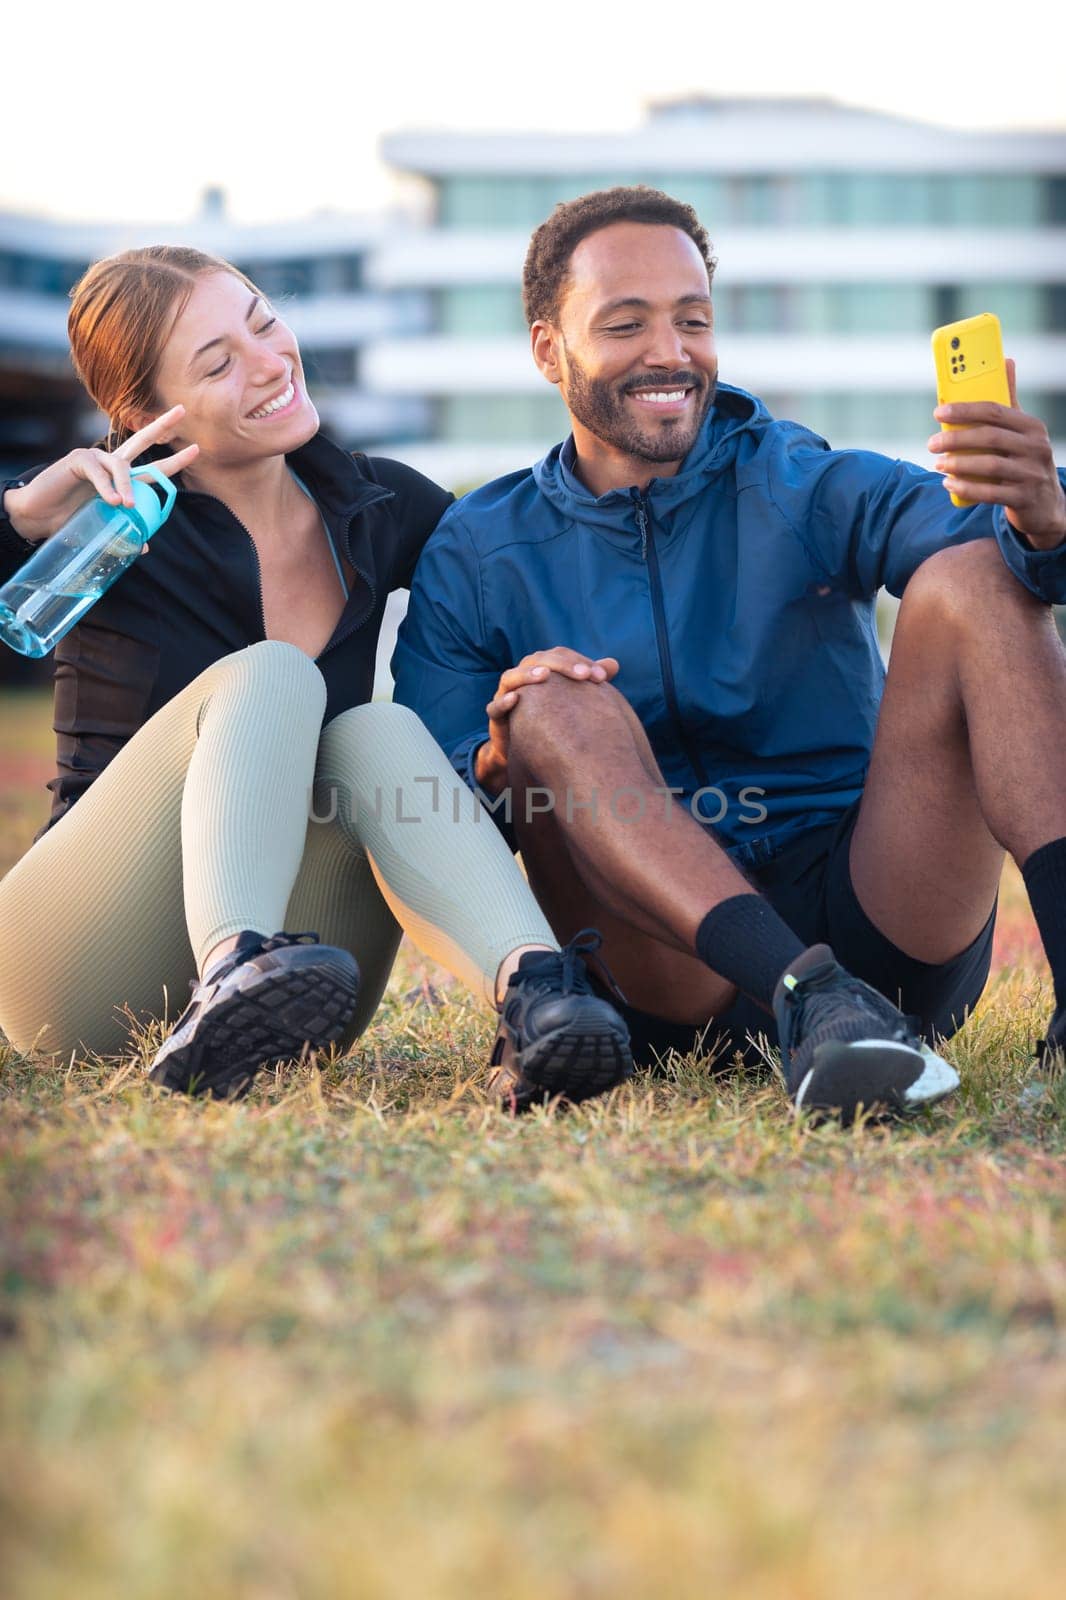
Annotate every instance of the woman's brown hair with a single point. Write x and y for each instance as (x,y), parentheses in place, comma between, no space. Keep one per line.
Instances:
(122,310)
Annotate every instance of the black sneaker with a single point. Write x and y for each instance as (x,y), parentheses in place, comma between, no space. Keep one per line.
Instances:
(843,1045)
(556,1036)
(264,1002)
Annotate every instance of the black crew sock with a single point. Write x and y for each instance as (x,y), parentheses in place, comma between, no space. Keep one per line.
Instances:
(1045,879)
(743,939)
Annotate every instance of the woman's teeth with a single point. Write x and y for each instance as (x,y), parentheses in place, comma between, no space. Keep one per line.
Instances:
(276,405)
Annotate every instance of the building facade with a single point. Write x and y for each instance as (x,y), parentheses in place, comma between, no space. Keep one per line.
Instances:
(843,237)
(318,269)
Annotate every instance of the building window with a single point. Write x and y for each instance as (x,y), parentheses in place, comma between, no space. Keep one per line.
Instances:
(39,274)
(493,202)
(1050,407)
(947,299)
(756,200)
(490,309)
(860,418)
(339,274)
(537,419)
(279,278)
(755,308)
(824,308)
(1003,199)
(1020,307)
(708,196)
(1055,199)
(330,366)
(806,309)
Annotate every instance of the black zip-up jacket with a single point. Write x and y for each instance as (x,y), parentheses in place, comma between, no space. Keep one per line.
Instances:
(196,597)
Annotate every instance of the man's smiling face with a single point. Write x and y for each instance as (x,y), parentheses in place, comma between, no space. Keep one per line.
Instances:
(633,350)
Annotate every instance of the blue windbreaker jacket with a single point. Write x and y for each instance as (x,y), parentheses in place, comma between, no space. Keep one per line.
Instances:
(737,596)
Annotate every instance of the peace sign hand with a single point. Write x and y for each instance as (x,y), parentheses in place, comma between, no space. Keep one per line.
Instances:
(47,503)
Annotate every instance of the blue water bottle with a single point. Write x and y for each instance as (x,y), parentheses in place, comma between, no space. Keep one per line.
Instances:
(72,568)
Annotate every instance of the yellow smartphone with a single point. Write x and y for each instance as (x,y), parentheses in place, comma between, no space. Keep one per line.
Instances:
(970,366)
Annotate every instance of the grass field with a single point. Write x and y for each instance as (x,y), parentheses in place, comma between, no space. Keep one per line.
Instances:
(362,1336)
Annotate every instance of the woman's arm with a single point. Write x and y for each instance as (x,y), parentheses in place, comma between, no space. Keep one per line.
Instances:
(45,502)
(14,549)
(419,505)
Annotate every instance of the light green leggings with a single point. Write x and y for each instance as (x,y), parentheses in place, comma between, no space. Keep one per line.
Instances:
(203,824)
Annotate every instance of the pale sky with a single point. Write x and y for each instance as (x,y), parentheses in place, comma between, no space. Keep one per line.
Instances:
(129,111)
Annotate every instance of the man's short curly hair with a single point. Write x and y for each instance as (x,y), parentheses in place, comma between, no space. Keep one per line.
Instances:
(554,242)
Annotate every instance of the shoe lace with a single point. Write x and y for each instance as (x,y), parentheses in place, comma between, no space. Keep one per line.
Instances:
(567,971)
(838,994)
(575,978)
(256,945)
(581,954)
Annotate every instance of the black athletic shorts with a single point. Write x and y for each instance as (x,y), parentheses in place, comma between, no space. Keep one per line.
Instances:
(809,884)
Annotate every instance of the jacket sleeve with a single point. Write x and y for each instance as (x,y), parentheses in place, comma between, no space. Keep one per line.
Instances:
(418,507)
(868,521)
(14,549)
(443,667)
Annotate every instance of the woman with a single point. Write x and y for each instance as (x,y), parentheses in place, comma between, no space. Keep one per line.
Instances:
(221,772)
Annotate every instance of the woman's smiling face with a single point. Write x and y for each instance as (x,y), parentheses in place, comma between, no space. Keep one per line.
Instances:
(235,367)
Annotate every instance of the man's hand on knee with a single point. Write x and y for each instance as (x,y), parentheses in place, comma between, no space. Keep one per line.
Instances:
(490,768)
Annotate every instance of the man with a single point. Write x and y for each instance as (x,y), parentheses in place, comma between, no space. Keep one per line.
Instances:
(671,619)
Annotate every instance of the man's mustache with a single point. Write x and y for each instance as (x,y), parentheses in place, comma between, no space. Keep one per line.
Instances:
(657,382)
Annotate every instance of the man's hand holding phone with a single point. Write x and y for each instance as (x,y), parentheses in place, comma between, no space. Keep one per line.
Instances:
(1007,462)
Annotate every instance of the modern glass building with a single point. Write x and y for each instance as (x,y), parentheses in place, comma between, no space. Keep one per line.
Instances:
(317,269)
(843,237)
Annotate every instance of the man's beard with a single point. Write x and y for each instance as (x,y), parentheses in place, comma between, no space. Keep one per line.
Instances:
(601,408)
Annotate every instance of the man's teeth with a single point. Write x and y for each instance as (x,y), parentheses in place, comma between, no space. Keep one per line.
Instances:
(276,405)
(671,397)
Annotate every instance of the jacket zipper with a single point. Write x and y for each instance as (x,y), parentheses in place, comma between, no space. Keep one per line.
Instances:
(255,558)
(650,555)
(367,611)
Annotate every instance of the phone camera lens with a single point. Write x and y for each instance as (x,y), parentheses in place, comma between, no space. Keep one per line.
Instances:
(955,343)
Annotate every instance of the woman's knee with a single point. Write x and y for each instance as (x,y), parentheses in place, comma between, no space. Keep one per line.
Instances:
(378,718)
(274,667)
(372,750)
(381,731)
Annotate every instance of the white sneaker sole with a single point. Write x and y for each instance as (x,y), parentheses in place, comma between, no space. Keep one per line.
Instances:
(896,1080)
(938,1080)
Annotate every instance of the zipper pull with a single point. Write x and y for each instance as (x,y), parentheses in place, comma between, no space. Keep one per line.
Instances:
(642,527)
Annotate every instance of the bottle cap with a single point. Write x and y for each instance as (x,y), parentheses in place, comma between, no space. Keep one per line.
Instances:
(148,511)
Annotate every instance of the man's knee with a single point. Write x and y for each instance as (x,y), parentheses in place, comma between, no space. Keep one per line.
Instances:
(961,583)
